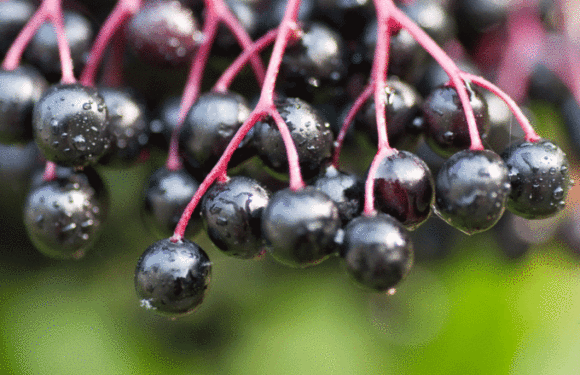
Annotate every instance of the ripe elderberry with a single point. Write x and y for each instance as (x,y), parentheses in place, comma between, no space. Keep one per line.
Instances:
(471,190)
(172,278)
(70,125)
(538,173)
(300,227)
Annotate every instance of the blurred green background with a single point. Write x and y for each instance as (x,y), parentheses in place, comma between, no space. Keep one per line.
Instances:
(472,312)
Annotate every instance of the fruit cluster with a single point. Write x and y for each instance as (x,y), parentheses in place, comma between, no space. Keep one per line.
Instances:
(443,144)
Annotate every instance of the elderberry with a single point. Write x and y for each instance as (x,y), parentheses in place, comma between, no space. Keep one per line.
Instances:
(300,227)
(232,213)
(70,125)
(172,278)
(538,173)
(471,190)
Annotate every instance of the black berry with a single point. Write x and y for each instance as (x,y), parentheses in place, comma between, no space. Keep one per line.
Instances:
(172,278)
(345,189)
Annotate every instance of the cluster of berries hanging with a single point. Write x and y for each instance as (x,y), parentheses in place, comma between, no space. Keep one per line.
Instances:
(382,66)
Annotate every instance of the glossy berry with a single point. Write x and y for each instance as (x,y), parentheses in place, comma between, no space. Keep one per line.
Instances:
(310,132)
(349,17)
(317,56)
(70,125)
(43,48)
(432,16)
(471,190)
(64,216)
(172,278)
(210,125)
(13,17)
(377,252)
(570,110)
(503,127)
(300,226)
(403,188)
(232,213)
(538,173)
(345,189)
(165,122)
(128,127)
(167,193)
(163,33)
(402,106)
(20,89)
(445,123)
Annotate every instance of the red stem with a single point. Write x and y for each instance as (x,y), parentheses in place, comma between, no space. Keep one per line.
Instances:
(446,63)
(49,171)
(55,15)
(115,21)
(14,54)
(224,82)
(531,135)
(192,86)
(358,103)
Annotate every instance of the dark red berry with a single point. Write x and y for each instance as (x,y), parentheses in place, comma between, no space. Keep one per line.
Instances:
(163,33)
(403,188)
(377,252)
(471,190)
(538,173)
(172,278)
(300,226)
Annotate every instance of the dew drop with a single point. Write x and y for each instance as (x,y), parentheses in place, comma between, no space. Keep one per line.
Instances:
(70,227)
(80,143)
(222,221)
(87,106)
(558,193)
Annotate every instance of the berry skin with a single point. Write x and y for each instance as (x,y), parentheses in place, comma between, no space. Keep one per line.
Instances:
(403,188)
(232,213)
(346,190)
(210,125)
(172,278)
(21,89)
(167,193)
(471,190)
(319,55)
(43,48)
(64,216)
(163,33)
(128,127)
(445,123)
(377,252)
(538,174)
(70,125)
(310,132)
(300,226)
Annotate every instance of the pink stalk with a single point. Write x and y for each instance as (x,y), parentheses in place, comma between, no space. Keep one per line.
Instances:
(192,86)
(358,103)
(243,39)
(446,63)
(369,205)
(531,135)
(264,107)
(224,82)
(54,13)
(14,54)
(49,171)
(115,21)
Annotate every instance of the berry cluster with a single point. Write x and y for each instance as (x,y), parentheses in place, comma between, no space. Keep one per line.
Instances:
(332,64)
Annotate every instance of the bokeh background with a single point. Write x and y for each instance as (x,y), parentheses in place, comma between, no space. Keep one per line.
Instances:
(465,309)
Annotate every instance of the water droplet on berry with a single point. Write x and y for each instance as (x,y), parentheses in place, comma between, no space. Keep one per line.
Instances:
(87,106)
(70,227)
(558,193)
(80,143)
(222,221)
